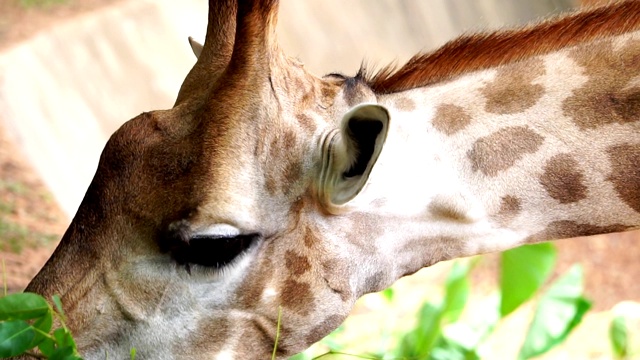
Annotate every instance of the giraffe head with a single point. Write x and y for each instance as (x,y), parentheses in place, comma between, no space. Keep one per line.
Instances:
(203,221)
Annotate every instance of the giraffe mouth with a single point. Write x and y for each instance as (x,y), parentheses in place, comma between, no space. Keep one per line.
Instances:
(210,251)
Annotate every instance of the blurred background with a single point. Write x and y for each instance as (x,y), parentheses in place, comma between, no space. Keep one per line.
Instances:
(72,71)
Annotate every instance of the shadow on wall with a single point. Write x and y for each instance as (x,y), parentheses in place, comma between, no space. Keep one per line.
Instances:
(65,91)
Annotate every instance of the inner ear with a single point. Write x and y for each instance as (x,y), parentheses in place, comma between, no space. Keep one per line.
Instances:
(362,134)
(352,154)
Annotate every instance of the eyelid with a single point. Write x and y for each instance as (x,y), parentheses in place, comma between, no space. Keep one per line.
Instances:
(217,230)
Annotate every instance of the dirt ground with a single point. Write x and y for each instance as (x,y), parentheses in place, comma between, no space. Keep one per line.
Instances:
(31,222)
(20,19)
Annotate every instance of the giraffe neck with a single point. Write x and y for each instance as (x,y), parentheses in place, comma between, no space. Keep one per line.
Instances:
(540,149)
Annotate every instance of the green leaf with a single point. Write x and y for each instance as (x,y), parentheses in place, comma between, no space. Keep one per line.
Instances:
(22,306)
(619,337)
(300,356)
(58,304)
(421,339)
(63,338)
(15,338)
(428,332)
(456,291)
(523,271)
(64,353)
(472,332)
(559,311)
(47,347)
(43,324)
(387,294)
(448,349)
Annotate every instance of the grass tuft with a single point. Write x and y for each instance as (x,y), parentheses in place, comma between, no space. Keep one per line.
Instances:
(40,3)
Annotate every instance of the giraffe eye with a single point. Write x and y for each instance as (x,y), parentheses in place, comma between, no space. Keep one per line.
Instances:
(211,251)
(215,252)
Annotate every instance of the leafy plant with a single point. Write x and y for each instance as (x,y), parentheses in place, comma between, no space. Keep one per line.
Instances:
(428,335)
(618,336)
(559,311)
(624,332)
(523,271)
(26,323)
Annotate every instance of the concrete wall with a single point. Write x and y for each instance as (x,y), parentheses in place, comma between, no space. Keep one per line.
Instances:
(66,90)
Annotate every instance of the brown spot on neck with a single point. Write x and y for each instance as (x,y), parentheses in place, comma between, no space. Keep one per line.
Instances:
(512,90)
(502,149)
(563,180)
(405,104)
(450,119)
(510,207)
(565,229)
(607,96)
(625,173)
(427,251)
(484,51)
(510,204)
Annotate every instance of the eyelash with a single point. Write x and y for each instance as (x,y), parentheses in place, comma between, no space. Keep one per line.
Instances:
(207,251)
(213,252)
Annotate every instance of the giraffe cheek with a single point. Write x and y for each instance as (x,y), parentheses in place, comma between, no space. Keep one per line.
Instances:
(376,282)
(336,275)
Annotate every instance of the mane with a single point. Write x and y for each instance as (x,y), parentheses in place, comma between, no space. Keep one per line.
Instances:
(475,52)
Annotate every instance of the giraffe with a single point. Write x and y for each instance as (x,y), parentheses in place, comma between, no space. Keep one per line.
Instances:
(266,187)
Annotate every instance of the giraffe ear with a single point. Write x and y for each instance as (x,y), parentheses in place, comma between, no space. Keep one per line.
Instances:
(351,154)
